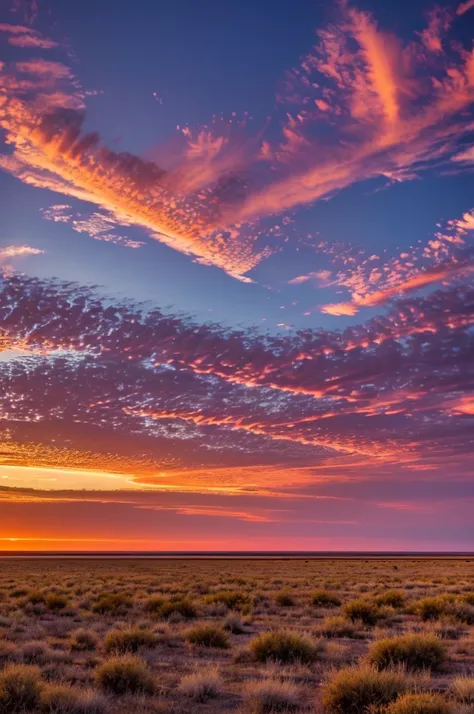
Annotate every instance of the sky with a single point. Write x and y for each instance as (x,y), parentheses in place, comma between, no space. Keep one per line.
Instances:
(236,275)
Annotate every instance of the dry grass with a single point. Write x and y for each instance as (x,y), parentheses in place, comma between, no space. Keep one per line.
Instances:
(412,651)
(209,636)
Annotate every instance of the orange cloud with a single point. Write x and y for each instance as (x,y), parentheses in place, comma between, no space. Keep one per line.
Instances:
(464,7)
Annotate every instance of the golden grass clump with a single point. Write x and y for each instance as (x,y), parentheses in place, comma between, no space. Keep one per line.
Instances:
(125,674)
(84,640)
(66,699)
(358,690)
(20,688)
(324,598)
(129,640)
(413,651)
(420,703)
(201,686)
(365,611)
(463,689)
(111,603)
(208,635)
(271,695)
(284,646)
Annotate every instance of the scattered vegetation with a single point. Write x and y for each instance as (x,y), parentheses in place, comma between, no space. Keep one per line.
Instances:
(247,636)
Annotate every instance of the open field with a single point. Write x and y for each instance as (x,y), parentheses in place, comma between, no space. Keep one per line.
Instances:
(340,636)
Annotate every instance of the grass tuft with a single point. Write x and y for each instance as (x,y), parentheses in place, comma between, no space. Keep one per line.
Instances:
(359,690)
(414,651)
(284,646)
(125,675)
(208,635)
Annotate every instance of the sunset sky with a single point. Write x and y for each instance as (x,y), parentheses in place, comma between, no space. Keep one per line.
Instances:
(236,275)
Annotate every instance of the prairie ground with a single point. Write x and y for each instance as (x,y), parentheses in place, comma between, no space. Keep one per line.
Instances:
(334,636)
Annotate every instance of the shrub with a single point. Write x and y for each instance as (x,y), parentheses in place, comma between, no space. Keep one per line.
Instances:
(208,636)
(358,690)
(154,605)
(338,626)
(20,688)
(56,602)
(233,624)
(463,689)
(323,598)
(419,703)
(283,646)
(36,597)
(111,603)
(65,699)
(159,607)
(461,612)
(364,610)
(431,608)
(130,640)
(391,598)
(468,598)
(201,686)
(413,651)
(284,599)
(125,674)
(83,640)
(271,695)
(233,599)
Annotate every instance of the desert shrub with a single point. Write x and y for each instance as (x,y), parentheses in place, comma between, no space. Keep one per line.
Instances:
(125,674)
(419,703)
(359,690)
(423,651)
(284,599)
(65,699)
(36,597)
(468,598)
(83,640)
(391,598)
(201,686)
(233,624)
(431,608)
(154,605)
(463,689)
(20,688)
(56,602)
(324,598)
(233,599)
(461,612)
(338,626)
(271,695)
(283,646)
(364,610)
(208,635)
(129,640)
(111,603)
(161,607)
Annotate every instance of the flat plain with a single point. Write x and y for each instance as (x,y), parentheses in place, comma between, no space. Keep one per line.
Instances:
(333,635)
